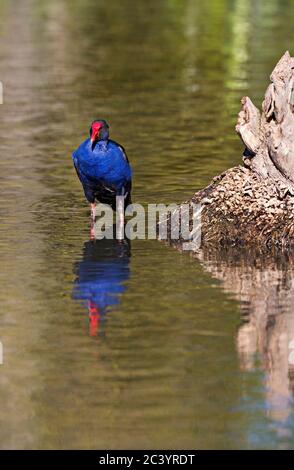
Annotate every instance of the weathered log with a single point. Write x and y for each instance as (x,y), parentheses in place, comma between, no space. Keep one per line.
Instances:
(253,204)
(270,137)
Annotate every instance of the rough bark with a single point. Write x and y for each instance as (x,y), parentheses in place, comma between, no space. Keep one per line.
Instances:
(254,204)
(269,136)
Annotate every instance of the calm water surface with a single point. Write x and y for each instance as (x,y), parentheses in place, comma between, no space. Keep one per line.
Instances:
(110,346)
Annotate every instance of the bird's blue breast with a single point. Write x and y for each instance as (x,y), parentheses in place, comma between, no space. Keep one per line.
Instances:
(107,163)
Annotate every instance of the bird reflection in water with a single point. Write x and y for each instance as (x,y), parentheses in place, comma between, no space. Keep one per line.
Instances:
(101,278)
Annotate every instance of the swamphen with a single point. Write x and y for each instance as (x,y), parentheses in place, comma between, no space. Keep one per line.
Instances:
(103,168)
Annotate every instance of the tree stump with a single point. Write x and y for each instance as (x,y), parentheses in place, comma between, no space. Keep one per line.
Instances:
(253,204)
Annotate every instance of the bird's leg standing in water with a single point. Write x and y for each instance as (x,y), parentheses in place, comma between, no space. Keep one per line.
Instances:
(93,211)
(120,217)
(93,217)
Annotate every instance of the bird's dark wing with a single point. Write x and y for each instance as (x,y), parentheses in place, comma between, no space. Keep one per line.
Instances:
(128,190)
(122,149)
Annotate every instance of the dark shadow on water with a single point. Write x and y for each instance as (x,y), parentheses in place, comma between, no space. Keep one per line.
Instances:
(101,279)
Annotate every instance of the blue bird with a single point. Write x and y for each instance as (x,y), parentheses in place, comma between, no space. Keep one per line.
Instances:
(103,168)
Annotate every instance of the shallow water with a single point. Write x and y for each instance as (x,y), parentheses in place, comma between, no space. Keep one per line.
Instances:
(178,352)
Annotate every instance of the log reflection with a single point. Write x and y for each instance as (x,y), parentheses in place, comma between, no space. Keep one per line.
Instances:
(264,284)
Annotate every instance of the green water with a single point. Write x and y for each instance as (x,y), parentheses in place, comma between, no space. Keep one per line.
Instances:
(195,353)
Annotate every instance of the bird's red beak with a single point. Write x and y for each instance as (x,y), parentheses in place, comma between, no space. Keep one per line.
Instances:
(95,132)
(94,137)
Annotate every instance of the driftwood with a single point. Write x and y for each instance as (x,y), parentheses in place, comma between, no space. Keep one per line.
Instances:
(269,137)
(253,204)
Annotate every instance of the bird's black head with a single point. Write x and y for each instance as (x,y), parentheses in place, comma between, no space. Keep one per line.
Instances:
(99,131)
